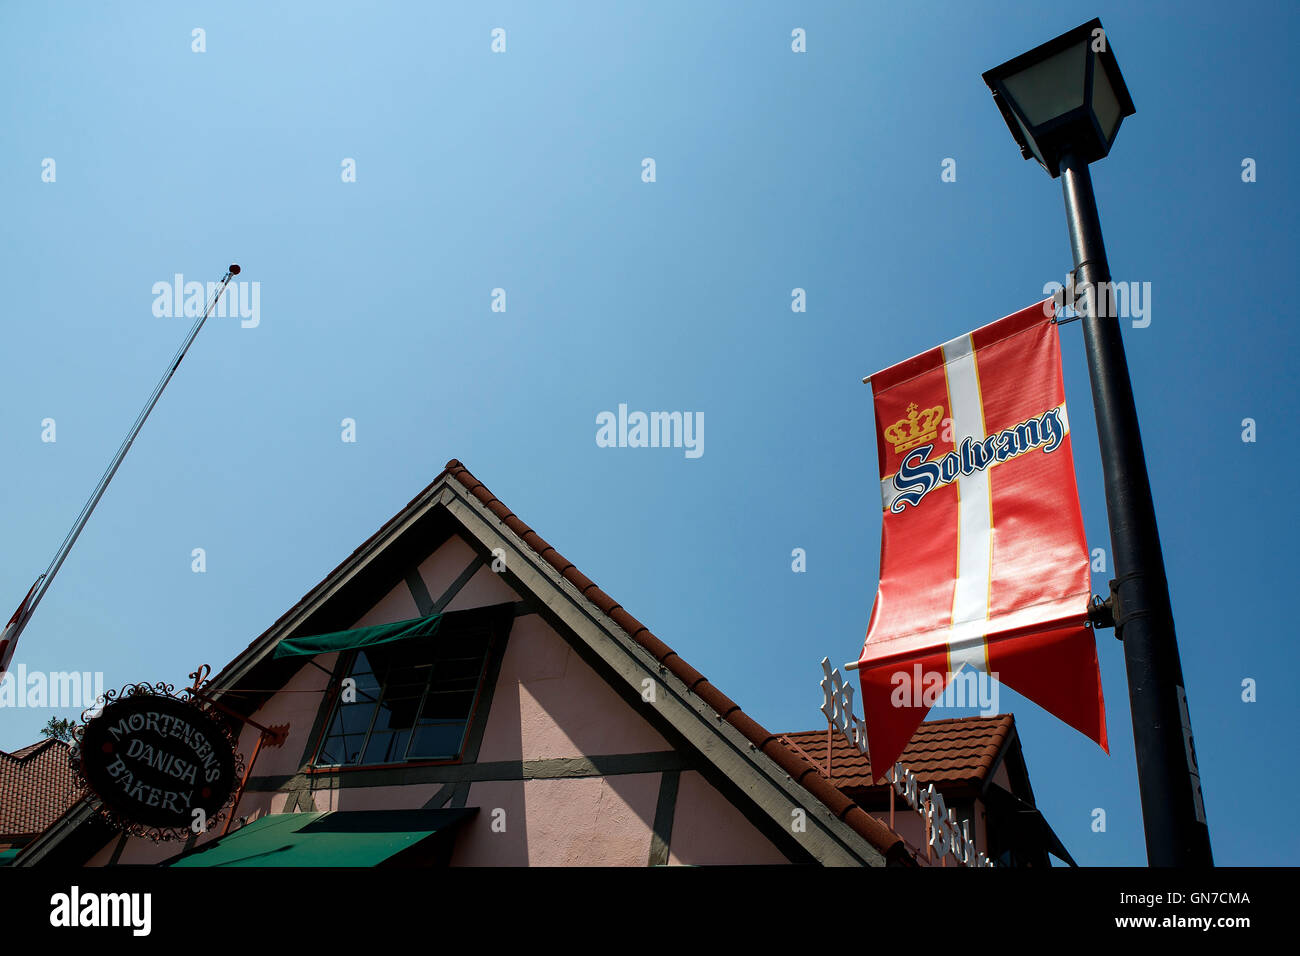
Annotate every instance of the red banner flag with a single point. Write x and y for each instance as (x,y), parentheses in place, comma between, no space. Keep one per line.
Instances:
(9,636)
(983,559)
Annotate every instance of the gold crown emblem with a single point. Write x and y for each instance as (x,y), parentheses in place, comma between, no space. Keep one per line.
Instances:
(917,428)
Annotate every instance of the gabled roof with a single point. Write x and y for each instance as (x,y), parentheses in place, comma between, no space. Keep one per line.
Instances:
(764,767)
(786,757)
(35,787)
(960,756)
(954,754)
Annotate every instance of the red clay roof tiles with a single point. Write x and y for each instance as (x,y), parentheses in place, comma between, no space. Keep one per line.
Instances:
(35,787)
(943,752)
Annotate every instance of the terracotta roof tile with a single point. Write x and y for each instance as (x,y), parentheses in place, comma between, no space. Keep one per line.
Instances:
(948,752)
(35,787)
(29,749)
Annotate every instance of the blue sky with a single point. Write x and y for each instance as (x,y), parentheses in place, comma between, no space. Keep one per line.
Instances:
(522,171)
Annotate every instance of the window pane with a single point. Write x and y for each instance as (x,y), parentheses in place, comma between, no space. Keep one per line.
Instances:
(396,714)
(367,687)
(458,669)
(447,706)
(404,687)
(413,700)
(386,748)
(406,654)
(329,751)
(437,740)
(341,750)
(353,718)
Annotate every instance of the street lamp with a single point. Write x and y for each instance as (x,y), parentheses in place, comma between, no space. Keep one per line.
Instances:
(1064,102)
(1066,96)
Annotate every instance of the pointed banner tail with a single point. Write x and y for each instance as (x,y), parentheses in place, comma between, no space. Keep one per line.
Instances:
(984,569)
(9,638)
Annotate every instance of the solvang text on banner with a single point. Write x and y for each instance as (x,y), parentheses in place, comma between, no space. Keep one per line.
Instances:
(984,563)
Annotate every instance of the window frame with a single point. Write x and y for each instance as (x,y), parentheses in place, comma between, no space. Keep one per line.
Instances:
(344,669)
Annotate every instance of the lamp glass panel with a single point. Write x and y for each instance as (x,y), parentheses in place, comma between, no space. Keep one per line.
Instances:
(1050,87)
(1105,105)
(1033,143)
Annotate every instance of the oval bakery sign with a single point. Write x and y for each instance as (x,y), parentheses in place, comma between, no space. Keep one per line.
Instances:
(156,760)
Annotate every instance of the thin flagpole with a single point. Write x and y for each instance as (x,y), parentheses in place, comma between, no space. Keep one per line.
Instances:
(45,580)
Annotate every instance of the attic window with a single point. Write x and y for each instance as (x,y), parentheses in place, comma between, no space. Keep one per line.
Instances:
(412,701)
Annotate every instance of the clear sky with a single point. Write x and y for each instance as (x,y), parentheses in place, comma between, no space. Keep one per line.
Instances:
(522,171)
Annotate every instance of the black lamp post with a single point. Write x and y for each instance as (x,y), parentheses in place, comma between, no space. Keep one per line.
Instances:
(1064,102)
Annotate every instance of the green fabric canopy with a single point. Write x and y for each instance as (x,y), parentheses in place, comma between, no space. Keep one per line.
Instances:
(358,637)
(341,838)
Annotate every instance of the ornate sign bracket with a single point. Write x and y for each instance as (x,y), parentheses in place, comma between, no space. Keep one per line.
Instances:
(156,764)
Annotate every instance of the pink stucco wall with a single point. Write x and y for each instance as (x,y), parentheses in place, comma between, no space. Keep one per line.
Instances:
(396,605)
(707,829)
(549,703)
(442,567)
(589,821)
(484,588)
(410,797)
(296,705)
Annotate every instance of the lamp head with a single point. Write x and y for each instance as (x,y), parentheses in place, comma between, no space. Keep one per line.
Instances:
(1064,97)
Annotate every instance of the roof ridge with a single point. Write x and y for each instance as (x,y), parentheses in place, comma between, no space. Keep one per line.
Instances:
(31,750)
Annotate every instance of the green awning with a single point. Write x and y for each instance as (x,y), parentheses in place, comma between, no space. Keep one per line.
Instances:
(6,856)
(358,637)
(342,838)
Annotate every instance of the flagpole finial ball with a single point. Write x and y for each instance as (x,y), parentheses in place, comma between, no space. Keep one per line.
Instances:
(234,269)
